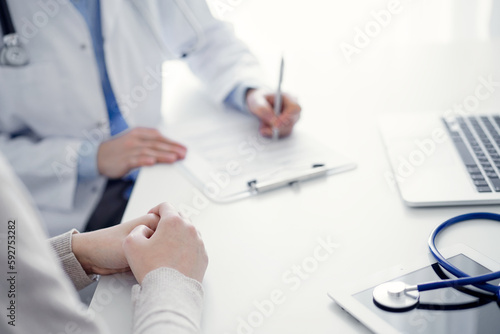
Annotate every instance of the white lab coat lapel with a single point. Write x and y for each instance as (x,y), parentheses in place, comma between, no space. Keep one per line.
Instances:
(110,11)
(125,33)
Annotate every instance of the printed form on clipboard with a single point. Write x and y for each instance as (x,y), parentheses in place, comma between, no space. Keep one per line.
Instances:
(229,160)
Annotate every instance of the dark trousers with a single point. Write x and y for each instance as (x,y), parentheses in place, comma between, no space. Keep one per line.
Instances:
(110,209)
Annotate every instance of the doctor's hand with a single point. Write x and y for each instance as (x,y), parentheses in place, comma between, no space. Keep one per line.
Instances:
(101,252)
(174,244)
(261,104)
(137,148)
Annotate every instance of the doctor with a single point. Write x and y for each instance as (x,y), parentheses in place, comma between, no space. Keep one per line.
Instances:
(80,117)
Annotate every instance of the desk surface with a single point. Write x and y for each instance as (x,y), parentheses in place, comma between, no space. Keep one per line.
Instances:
(266,244)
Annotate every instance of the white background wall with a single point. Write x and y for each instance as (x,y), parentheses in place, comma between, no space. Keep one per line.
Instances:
(428,57)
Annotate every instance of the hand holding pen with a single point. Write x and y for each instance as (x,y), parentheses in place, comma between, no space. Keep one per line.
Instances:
(277,111)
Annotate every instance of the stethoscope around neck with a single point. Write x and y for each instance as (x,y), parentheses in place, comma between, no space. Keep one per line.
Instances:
(13,53)
(400,297)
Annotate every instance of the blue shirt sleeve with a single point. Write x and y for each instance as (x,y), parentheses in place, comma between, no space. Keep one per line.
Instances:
(237,98)
(87,161)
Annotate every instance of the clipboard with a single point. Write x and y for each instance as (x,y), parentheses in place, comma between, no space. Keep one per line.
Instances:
(228,160)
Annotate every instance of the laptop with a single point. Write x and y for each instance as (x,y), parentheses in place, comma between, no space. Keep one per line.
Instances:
(442,160)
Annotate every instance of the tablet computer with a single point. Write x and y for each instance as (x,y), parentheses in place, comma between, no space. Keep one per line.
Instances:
(446,310)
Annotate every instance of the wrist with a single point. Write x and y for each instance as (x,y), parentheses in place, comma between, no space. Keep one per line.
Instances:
(248,99)
(248,93)
(79,249)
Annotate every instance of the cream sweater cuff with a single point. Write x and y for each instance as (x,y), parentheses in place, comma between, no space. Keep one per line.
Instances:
(62,246)
(169,300)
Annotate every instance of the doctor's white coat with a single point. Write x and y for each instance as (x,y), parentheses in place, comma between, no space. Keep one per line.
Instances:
(54,107)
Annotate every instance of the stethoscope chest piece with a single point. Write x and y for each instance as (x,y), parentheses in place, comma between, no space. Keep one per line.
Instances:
(395,296)
(13,53)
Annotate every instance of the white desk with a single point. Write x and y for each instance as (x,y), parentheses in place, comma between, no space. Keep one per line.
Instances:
(252,244)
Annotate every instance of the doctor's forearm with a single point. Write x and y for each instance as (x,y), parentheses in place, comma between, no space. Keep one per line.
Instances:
(47,168)
(231,63)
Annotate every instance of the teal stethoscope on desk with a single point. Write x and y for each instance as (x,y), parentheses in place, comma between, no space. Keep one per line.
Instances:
(13,52)
(400,297)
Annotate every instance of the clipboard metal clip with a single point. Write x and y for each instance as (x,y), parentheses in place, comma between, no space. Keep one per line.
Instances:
(318,170)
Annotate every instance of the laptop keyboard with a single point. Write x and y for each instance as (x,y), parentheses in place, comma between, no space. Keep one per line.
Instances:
(477,140)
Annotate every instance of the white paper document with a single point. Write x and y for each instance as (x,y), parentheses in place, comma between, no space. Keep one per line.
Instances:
(228,159)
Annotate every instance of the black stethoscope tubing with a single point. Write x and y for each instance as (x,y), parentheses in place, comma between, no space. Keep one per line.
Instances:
(6,18)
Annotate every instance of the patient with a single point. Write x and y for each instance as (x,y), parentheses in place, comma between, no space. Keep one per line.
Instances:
(163,250)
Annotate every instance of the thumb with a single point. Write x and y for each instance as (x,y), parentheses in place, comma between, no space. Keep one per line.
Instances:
(139,235)
(142,232)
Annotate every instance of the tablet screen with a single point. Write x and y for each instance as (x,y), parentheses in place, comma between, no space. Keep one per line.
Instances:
(446,310)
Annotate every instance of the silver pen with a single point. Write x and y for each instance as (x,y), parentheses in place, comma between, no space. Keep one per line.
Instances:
(278,98)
